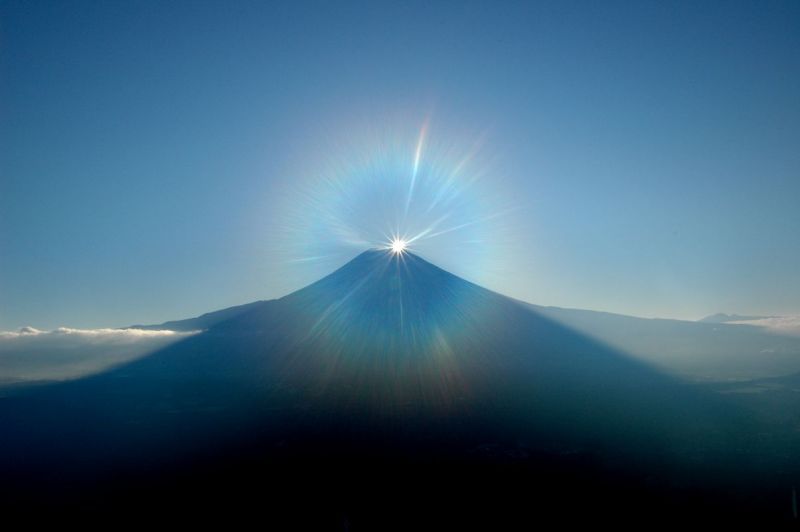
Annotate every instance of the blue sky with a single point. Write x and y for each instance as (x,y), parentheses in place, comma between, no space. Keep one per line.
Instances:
(150,152)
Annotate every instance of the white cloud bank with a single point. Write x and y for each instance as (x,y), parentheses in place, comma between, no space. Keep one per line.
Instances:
(117,335)
(31,354)
(777,324)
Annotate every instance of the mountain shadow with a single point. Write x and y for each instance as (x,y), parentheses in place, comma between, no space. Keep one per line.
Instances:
(388,395)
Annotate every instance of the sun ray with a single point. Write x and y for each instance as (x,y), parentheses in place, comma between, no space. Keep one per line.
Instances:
(417,157)
(461,226)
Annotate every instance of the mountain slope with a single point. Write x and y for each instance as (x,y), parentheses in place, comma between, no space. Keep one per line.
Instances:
(204,321)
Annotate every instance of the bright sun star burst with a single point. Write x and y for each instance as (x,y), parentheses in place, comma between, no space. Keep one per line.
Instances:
(398,246)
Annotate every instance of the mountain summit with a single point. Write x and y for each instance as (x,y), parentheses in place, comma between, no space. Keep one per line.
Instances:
(386,300)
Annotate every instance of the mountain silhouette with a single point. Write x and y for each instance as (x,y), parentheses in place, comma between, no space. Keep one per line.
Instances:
(369,399)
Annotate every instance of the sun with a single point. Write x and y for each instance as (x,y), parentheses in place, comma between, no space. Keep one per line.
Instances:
(398,246)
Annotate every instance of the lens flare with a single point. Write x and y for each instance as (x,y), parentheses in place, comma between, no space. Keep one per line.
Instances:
(401,186)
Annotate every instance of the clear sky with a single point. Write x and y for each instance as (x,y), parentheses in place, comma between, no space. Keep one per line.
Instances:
(163,159)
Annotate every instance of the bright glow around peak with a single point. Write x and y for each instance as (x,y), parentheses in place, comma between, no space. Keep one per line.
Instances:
(398,246)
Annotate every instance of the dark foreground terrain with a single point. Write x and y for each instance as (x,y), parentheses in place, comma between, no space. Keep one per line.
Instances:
(390,395)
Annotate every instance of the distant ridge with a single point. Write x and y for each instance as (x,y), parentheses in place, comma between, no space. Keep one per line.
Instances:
(203,322)
(726,318)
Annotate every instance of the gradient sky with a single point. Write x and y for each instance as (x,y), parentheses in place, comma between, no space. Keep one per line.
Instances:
(149,151)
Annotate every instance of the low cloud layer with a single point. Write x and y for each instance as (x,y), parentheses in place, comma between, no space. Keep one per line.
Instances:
(31,354)
(777,324)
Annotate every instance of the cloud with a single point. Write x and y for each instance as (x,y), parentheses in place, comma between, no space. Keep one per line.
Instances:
(117,335)
(30,354)
(777,324)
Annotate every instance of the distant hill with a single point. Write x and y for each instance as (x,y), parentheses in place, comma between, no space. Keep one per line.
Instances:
(203,322)
(725,318)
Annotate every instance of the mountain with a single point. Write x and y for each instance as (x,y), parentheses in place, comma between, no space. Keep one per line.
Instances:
(389,394)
